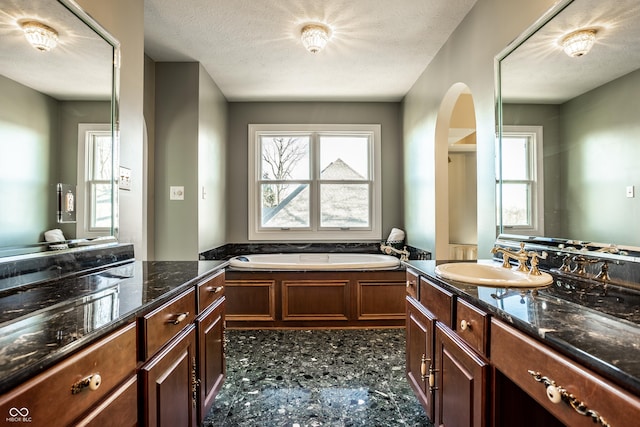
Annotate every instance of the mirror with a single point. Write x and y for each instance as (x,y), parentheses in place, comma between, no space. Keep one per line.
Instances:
(586,108)
(58,122)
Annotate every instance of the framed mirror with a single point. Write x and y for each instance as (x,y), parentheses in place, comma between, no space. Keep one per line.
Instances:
(58,126)
(568,126)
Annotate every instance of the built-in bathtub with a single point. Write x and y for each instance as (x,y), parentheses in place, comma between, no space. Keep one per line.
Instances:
(315,261)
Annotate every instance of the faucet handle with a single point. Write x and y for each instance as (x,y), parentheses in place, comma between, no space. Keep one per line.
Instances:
(535,261)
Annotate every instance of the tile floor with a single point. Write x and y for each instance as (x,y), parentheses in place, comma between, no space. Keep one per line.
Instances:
(297,378)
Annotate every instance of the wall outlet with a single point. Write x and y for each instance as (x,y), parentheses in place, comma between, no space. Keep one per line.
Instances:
(176,193)
(630,191)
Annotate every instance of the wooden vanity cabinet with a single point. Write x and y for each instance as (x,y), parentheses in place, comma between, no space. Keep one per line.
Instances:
(211,362)
(169,383)
(461,382)
(183,346)
(541,372)
(60,397)
(453,383)
(419,352)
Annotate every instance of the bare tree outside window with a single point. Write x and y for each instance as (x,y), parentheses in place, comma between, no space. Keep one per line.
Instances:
(282,160)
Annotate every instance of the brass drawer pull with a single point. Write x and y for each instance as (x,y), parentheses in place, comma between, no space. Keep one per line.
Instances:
(216,289)
(464,325)
(424,362)
(410,283)
(557,394)
(180,318)
(92,382)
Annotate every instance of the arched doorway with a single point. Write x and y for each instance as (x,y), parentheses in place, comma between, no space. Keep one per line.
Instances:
(456,176)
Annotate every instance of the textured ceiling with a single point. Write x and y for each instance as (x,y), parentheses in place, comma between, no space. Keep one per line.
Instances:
(539,71)
(57,73)
(252,48)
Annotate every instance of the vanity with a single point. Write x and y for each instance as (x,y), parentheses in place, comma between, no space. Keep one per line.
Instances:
(564,354)
(123,344)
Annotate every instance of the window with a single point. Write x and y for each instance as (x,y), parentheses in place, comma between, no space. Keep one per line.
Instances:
(95,165)
(314,182)
(522,185)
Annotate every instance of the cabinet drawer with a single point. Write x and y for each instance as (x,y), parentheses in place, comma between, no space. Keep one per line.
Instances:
(472,325)
(412,284)
(120,409)
(165,322)
(516,355)
(437,300)
(50,398)
(210,290)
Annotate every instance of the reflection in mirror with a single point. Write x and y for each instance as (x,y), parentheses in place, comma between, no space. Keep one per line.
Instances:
(58,119)
(582,185)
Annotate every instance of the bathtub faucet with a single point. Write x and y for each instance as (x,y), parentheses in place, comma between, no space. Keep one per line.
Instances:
(386,249)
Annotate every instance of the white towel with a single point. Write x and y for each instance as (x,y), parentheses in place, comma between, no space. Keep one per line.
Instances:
(396,235)
(54,235)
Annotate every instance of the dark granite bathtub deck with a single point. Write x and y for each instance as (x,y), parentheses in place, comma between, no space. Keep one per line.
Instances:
(297,378)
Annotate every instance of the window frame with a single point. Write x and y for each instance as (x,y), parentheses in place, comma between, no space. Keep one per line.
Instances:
(85,214)
(535,181)
(314,232)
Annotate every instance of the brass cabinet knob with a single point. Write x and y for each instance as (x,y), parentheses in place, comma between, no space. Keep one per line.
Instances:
(180,318)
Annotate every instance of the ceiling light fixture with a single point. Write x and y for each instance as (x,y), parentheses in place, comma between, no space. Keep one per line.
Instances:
(579,43)
(41,36)
(315,37)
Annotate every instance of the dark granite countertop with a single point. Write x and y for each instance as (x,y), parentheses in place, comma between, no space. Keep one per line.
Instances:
(600,330)
(44,323)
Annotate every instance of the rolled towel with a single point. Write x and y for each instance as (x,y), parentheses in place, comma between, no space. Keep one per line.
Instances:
(396,235)
(54,235)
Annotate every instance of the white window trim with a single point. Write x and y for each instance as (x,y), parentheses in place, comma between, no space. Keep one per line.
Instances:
(83,220)
(537,170)
(256,233)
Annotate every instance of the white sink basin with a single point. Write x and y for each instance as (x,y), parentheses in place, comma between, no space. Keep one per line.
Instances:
(491,275)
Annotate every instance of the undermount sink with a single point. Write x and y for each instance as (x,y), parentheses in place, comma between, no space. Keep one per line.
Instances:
(491,275)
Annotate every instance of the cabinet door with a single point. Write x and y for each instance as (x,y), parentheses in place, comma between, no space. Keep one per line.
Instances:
(211,363)
(169,397)
(461,381)
(419,353)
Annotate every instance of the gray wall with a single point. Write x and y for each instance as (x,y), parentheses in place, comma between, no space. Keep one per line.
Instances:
(190,139)
(600,143)
(176,160)
(28,163)
(241,114)
(590,157)
(212,147)
(124,19)
(467,57)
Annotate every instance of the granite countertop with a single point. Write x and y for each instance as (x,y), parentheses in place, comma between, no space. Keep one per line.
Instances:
(600,330)
(42,324)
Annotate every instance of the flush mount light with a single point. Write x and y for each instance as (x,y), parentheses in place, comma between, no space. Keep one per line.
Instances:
(315,37)
(578,43)
(41,36)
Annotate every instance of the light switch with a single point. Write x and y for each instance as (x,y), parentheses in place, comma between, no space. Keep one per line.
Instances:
(176,193)
(630,191)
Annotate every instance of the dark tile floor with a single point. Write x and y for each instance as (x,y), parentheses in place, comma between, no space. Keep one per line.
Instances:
(296,378)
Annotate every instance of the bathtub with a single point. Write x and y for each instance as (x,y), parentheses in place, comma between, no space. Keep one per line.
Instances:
(315,261)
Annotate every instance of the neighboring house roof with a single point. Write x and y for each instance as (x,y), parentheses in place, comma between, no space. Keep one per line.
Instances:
(344,204)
